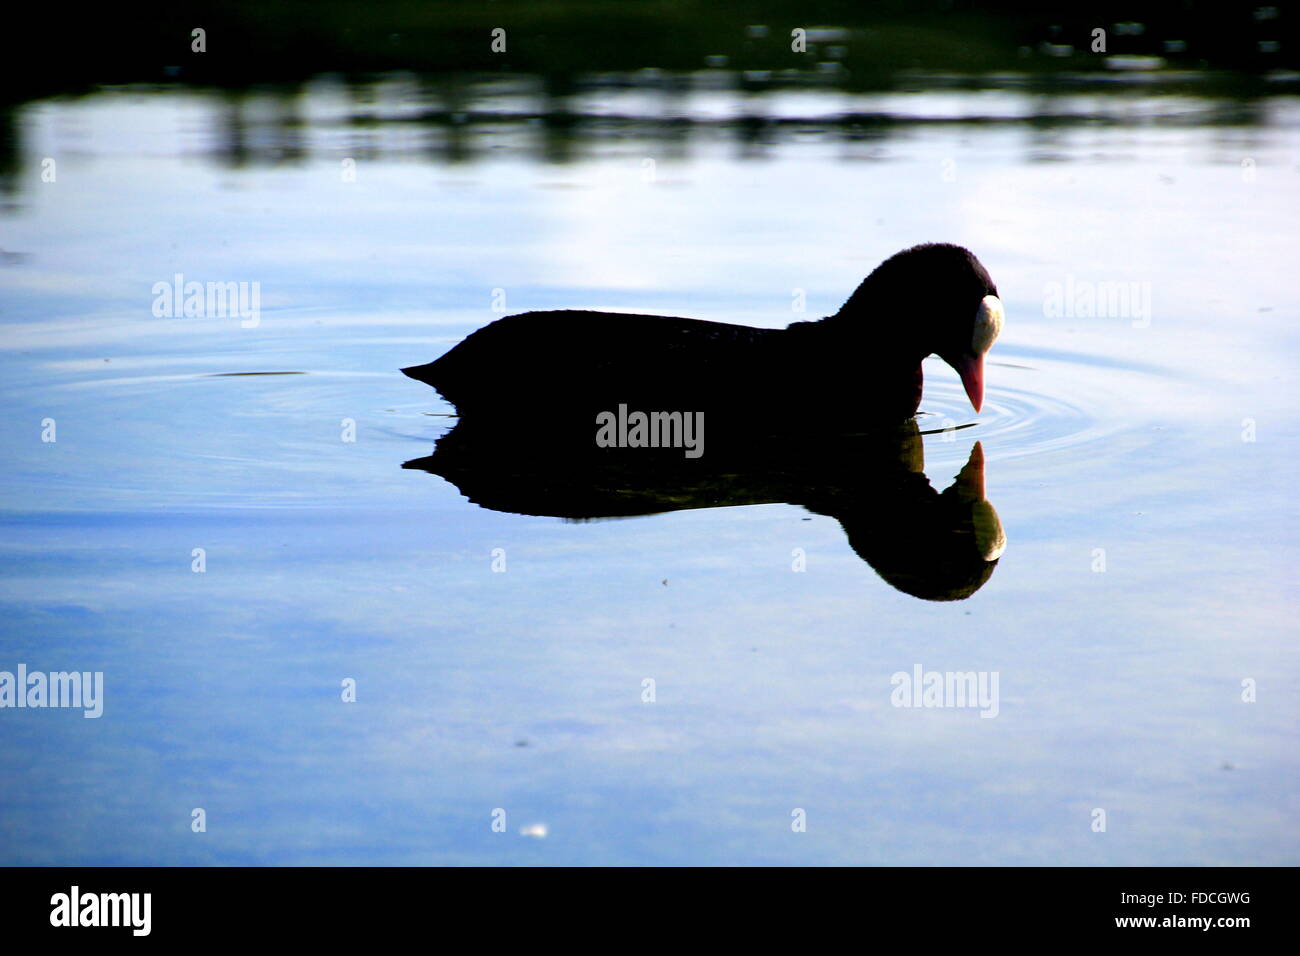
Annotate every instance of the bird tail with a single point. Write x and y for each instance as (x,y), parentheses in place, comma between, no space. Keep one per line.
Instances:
(421,373)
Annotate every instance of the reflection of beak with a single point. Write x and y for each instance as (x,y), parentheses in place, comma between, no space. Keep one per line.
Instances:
(990,539)
(971,370)
(970,480)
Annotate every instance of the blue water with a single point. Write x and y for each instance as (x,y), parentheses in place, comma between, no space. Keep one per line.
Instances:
(1164,438)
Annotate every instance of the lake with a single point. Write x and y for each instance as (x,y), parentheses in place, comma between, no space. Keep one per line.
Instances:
(313,655)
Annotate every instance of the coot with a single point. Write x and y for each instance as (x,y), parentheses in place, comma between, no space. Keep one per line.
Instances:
(861,364)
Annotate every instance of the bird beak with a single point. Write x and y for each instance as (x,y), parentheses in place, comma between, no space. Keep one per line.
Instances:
(970,365)
(971,370)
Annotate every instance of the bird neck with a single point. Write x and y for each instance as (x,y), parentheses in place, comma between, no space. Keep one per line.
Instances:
(875,334)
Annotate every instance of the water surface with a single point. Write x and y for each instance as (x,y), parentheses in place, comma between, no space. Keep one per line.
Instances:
(1140,464)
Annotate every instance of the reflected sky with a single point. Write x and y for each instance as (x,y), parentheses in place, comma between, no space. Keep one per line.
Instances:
(522,688)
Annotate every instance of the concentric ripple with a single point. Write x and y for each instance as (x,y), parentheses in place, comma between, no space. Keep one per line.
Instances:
(286,434)
(1036,409)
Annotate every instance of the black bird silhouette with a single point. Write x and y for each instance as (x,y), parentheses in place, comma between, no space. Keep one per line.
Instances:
(940,547)
(860,365)
(841,441)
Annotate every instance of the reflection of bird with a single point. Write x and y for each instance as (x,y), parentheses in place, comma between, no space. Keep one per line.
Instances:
(940,547)
(861,364)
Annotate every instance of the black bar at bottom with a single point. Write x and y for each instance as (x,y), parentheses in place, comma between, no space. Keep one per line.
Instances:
(333,906)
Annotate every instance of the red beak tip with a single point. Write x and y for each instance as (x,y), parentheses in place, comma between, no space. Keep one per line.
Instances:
(971,370)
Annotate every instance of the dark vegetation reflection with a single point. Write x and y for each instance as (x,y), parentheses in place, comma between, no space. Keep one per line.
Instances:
(425,80)
(932,545)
